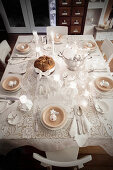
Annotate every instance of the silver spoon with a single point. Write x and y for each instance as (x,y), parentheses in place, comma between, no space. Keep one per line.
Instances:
(78,123)
(80,113)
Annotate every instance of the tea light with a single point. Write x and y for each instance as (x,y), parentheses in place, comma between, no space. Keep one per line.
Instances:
(25,104)
(23,99)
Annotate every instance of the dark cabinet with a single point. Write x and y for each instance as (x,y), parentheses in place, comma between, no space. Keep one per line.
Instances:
(72,13)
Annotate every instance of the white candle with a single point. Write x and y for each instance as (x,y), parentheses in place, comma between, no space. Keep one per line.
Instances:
(52,38)
(36,38)
(38,51)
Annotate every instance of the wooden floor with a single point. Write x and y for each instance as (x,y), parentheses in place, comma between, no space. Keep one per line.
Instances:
(101,160)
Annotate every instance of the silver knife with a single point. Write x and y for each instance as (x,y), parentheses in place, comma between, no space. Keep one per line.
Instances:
(9,98)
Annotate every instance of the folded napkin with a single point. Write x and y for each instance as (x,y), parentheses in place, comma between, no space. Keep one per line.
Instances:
(18,68)
(107,117)
(96,64)
(3,106)
(80,138)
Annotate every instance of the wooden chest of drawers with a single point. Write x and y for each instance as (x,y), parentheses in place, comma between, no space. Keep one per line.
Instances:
(72,13)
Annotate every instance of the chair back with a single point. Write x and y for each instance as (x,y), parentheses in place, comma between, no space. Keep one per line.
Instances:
(63,158)
(107,48)
(4,50)
(78,162)
(110,64)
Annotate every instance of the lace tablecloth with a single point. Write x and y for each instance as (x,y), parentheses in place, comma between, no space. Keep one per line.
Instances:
(25,132)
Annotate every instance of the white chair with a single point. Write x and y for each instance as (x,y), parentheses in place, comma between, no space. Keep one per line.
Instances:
(107,48)
(4,51)
(63,30)
(63,158)
(110,64)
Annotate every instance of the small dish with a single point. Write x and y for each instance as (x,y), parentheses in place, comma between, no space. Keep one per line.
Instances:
(101,106)
(6,86)
(23,48)
(98,85)
(14,118)
(61,117)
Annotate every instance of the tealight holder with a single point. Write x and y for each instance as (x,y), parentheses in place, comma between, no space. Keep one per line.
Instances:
(25,104)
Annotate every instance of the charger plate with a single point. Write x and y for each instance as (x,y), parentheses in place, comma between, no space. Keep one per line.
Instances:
(10,88)
(61,117)
(26,48)
(103,88)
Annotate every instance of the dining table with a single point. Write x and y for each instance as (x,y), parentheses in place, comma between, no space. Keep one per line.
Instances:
(65,88)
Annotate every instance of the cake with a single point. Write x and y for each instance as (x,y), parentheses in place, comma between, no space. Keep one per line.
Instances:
(44,63)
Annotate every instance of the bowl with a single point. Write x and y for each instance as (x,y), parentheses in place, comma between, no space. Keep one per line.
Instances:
(73,65)
(74,59)
(23,48)
(61,117)
(103,88)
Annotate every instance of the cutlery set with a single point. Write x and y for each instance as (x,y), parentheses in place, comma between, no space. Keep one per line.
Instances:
(97,70)
(81,126)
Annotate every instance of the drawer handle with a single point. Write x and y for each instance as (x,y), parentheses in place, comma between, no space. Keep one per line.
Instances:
(77,13)
(75,30)
(76,22)
(64,13)
(78,3)
(64,3)
(64,23)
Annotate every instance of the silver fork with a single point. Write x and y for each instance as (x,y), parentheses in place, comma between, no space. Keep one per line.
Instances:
(17,73)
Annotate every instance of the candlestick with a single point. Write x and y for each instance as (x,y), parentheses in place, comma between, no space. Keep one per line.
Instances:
(36,38)
(38,51)
(52,38)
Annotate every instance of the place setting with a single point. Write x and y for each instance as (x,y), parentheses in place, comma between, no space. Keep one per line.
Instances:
(53,117)
(24,105)
(11,84)
(88,45)
(81,126)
